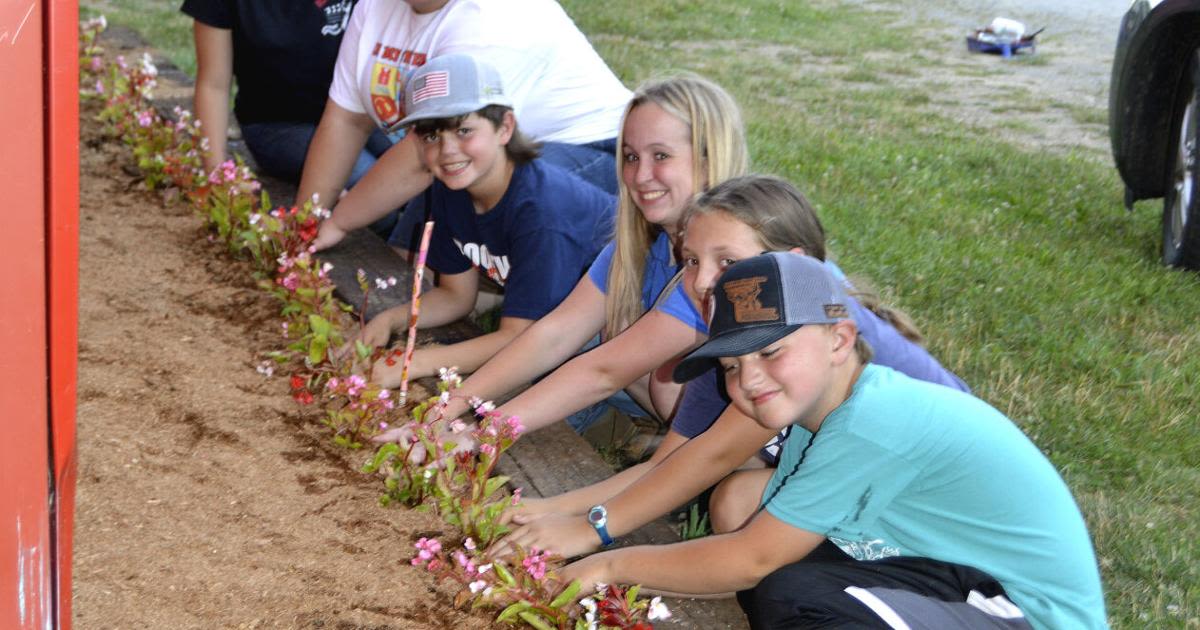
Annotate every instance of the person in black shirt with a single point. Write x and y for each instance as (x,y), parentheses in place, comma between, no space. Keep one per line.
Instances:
(282,53)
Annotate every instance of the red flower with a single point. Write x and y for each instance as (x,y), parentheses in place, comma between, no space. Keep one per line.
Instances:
(304,397)
(297,382)
(308,229)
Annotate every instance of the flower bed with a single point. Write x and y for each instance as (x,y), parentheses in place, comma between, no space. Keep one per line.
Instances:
(424,471)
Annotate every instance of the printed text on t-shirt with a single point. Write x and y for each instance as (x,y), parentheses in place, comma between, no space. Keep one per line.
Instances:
(496,267)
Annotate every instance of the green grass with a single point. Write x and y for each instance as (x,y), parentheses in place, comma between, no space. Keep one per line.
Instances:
(1022,266)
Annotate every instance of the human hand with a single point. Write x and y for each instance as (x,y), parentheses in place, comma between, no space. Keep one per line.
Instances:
(328,235)
(589,571)
(566,535)
(529,510)
(460,436)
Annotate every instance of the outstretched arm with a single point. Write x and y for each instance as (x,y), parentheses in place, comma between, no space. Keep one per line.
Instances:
(396,178)
(214,77)
(699,463)
(652,340)
(545,344)
(714,564)
(577,502)
(340,137)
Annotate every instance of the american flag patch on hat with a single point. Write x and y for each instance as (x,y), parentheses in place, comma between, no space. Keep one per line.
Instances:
(434,84)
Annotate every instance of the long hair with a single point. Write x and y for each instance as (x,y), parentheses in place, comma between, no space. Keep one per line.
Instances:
(782,218)
(718,153)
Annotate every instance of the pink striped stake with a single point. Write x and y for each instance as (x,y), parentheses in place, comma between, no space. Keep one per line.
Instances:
(416,310)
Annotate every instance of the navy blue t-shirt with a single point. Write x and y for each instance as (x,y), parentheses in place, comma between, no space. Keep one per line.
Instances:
(283,53)
(536,242)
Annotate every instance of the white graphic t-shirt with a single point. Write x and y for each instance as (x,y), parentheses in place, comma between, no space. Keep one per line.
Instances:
(561,88)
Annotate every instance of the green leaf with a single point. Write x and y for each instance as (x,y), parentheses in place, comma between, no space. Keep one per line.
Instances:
(510,614)
(505,576)
(320,325)
(631,594)
(567,595)
(535,620)
(316,351)
(362,350)
(492,485)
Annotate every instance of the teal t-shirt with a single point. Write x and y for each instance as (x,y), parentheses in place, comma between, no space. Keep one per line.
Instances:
(907,468)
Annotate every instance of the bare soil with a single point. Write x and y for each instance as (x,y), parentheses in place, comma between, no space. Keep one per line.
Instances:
(207,498)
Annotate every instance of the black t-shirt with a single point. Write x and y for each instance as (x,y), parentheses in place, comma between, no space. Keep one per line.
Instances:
(283,53)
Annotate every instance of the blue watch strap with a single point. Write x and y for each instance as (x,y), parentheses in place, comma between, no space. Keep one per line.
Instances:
(598,518)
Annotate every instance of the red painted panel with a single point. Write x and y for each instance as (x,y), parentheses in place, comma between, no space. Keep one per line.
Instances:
(25,535)
(62,230)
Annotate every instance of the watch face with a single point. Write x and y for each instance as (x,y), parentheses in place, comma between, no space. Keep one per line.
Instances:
(596,515)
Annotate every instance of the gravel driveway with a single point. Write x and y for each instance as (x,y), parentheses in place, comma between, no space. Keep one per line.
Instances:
(1055,99)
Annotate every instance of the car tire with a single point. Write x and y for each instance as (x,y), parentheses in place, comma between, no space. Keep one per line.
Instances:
(1181,203)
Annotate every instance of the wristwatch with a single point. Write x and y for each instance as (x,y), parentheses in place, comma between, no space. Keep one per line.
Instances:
(598,518)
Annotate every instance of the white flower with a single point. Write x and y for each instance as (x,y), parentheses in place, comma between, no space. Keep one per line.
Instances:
(325,268)
(381,284)
(391,281)
(255,218)
(484,568)
(477,585)
(428,474)
(265,368)
(658,610)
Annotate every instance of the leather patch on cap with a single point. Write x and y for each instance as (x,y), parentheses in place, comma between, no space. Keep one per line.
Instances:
(836,310)
(743,294)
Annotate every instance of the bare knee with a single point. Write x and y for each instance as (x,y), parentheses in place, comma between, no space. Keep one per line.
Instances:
(736,499)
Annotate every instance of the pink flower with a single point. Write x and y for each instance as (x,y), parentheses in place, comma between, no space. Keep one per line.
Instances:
(487,449)
(121,62)
(99,86)
(535,564)
(291,281)
(145,119)
(427,548)
(516,496)
(514,425)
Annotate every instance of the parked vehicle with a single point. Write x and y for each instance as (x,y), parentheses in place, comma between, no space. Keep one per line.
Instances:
(1154,118)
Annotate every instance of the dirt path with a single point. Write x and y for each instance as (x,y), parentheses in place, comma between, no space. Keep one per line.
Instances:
(205,498)
(1056,99)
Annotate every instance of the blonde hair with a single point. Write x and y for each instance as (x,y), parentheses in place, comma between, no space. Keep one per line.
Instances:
(718,153)
(782,218)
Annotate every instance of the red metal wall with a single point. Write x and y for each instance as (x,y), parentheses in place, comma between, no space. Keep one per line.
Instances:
(39,175)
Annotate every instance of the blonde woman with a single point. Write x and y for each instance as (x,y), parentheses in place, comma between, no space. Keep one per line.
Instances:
(679,135)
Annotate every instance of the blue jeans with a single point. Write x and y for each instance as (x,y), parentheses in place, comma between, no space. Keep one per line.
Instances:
(595,162)
(279,149)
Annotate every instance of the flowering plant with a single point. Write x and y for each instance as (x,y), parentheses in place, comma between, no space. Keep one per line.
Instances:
(525,589)
(432,461)
(366,407)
